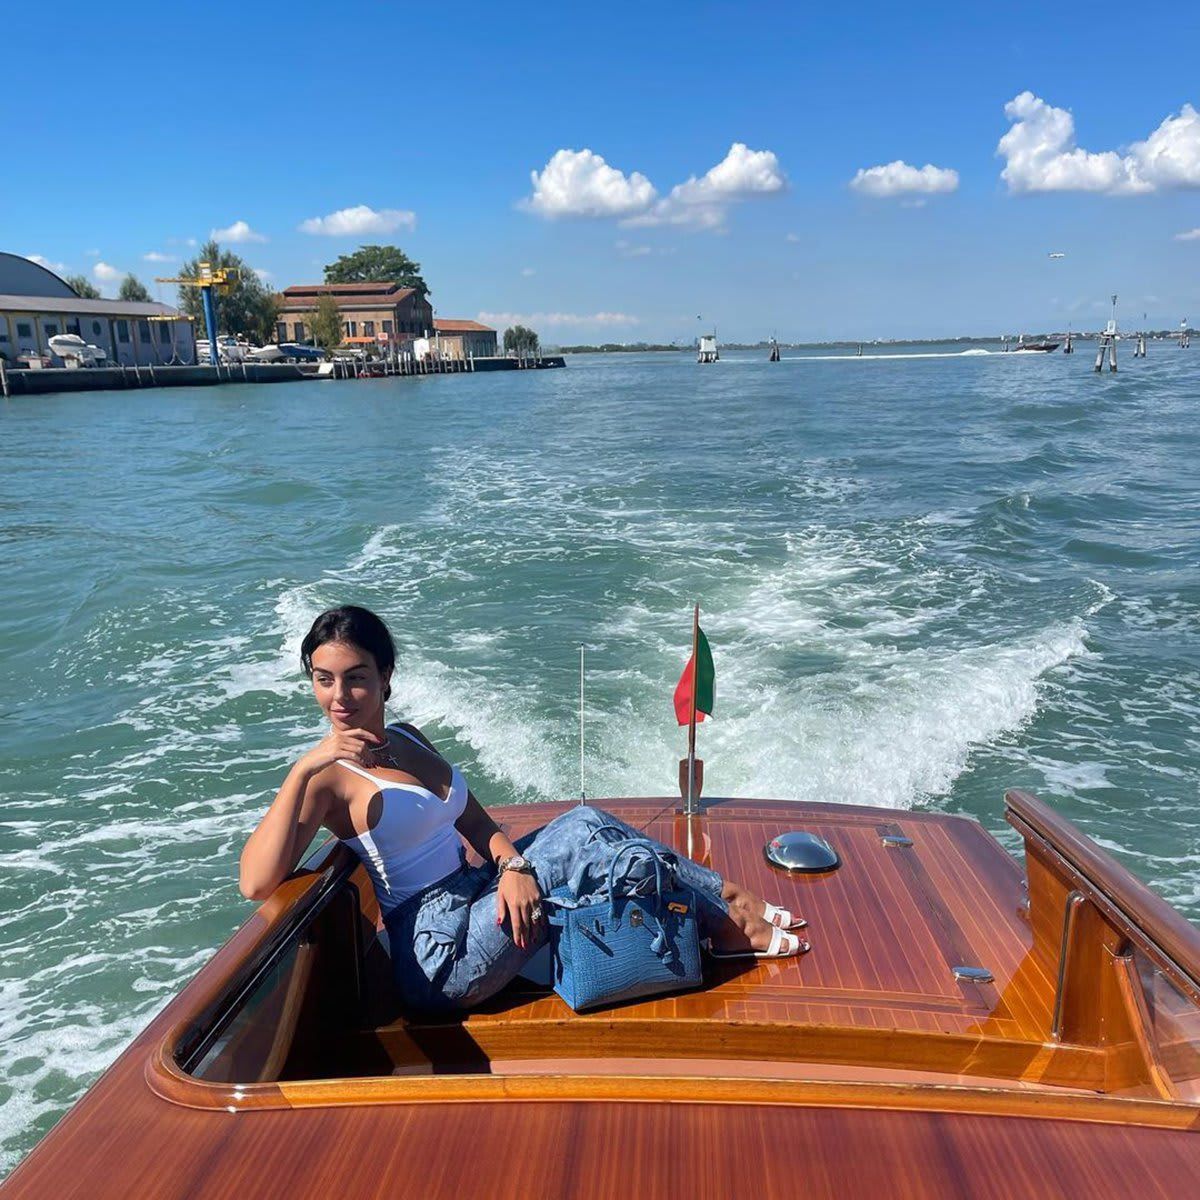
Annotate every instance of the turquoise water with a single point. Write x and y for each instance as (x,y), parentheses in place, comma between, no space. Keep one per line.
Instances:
(924,579)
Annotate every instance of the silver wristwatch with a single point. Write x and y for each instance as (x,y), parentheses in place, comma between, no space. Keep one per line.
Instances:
(515,862)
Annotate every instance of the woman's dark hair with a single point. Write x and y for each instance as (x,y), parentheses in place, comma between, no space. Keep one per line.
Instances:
(358,626)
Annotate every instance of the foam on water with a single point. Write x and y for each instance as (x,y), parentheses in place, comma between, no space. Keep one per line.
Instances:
(975,353)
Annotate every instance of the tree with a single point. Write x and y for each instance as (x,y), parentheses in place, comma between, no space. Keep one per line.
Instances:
(132,288)
(521,339)
(372,264)
(82,287)
(327,324)
(248,308)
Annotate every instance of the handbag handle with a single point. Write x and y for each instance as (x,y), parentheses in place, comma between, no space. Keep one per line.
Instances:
(648,848)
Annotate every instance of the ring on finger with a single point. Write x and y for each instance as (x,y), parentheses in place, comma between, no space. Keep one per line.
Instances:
(536,912)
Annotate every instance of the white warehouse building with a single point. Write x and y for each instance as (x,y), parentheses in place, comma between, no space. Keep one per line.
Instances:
(36,305)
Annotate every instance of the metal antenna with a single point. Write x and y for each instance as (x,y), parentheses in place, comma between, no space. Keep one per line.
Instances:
(582,793)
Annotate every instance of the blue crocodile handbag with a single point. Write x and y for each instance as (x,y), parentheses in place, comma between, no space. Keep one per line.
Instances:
(627,944)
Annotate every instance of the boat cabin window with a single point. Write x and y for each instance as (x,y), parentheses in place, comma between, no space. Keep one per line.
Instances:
(144,330)
(164,332)
(122,331)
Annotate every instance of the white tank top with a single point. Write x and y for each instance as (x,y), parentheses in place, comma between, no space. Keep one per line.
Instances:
(414,842)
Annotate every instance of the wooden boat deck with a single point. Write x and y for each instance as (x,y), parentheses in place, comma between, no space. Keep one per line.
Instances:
(864,1068)
(887,929)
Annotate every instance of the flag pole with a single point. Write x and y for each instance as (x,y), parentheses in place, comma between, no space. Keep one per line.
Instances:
(691,772)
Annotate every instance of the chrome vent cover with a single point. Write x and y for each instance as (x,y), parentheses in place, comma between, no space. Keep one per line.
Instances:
(801,853)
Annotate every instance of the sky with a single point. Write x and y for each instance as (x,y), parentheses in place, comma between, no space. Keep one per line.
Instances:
(630,172)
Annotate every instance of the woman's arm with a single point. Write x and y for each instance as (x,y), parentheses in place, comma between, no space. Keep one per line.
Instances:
(274,848)
(483,835)
(518,894)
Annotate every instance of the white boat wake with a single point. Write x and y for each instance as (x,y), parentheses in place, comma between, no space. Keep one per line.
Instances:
(974,353)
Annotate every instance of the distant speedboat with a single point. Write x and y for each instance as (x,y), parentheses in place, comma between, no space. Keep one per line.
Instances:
(75,352)
(708,352)
(1041,346)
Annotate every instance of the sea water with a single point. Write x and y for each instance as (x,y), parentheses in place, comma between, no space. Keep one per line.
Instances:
(926,577)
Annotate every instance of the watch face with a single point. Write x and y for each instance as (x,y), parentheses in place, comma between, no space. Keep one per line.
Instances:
(517,863)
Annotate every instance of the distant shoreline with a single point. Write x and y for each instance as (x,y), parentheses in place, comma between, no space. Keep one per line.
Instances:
(660,348)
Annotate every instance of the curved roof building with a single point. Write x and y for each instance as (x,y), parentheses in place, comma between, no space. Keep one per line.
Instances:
(36,305)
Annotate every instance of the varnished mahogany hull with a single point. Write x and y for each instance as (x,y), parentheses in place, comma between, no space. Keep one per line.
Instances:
(864,1069)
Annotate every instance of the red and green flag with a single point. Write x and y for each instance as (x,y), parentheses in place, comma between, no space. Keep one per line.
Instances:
(698,683)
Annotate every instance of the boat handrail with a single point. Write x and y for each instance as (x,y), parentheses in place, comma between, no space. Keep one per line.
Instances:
(1143,916)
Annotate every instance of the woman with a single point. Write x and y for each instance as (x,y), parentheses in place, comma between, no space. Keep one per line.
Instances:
(457,934)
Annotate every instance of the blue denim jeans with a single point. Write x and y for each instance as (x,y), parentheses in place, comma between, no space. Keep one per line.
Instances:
(447,950)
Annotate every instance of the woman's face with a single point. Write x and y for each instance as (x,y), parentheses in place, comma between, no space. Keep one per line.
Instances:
(348,685)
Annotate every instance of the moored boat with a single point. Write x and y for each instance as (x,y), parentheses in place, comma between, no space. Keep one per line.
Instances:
(75,352)
(965,1026)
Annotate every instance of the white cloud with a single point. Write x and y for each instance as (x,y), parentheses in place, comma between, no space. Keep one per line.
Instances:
(703,203)
(45,262)
(92,253)
(156,257)
(555,319)
(1192,235)
(239,231)
(578,183)
(528,271)
(901,179)
(105,273)
(1170,156)
(359,220)
(192,242)
(792,237)
(1041,155)
(263,274)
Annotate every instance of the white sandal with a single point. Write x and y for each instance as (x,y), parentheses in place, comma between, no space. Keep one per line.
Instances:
(781,918)
(783,945)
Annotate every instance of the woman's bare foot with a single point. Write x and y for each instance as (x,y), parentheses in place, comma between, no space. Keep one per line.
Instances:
(746,902)
(741,930)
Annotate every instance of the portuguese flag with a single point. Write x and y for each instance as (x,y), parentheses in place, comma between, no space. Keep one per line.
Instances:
(698,684)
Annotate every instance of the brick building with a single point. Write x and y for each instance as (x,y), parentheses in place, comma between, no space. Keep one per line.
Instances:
(385,311)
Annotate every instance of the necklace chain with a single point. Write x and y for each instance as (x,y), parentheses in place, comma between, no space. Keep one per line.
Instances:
(384,756)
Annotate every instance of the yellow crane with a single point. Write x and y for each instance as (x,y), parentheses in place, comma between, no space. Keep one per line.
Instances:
(209,280)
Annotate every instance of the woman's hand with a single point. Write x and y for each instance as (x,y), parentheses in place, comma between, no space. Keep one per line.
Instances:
(351,744)
(519,900)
